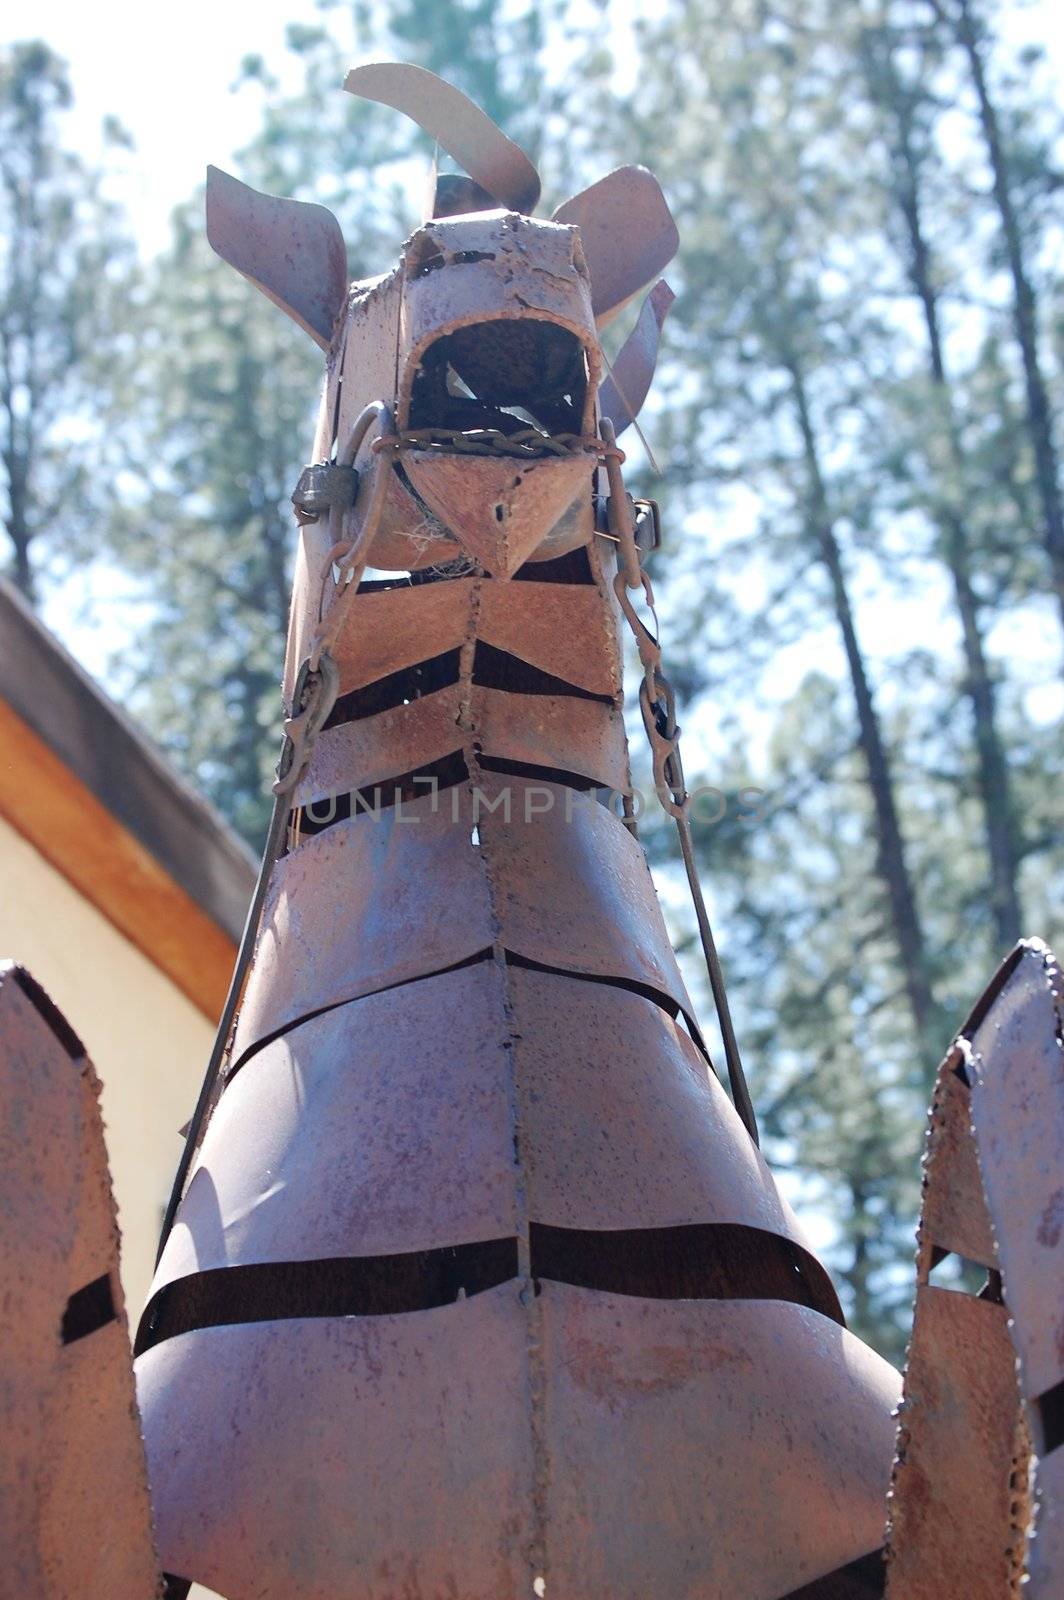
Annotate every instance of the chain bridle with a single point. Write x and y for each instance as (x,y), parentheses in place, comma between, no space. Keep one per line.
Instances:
(331,488)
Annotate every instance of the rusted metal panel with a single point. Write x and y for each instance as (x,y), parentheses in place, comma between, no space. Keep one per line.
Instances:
(954,1215)
(377,900)
(1017,1067)
(362,365)
(978,1372)
(562,629)
(1045,1561)
(953,1528)
(730,1448)
(627,233)
(383,1126)
(356,755)
(494,267)
(370,902)
(74,1514)
(551,731)
(619,1124)
(571,887)
(291,250)
(345,1459)
(396,628)
(498,508)
(622,1124)
(410,536)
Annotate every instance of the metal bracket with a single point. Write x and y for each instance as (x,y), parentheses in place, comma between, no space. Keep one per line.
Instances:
(646,518)
(321,486)
(647,526)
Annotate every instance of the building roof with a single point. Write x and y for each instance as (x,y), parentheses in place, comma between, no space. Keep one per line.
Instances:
(94,796)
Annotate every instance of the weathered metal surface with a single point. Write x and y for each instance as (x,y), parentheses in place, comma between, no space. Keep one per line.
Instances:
(460,126)
(563,629)
(545,730)
(385,899)
(1017,1069)
(380,1127)
(74,1514)
(627,233)
(344,1459)
(479,1287)
(620,1125)
(368,903)
(954,1215)
(730,1448)
(953,1529)
(631,373)
(498,509)
(981,1376)
(292,250)
(461,272)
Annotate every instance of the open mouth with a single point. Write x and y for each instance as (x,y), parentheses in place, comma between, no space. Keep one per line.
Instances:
(509,386)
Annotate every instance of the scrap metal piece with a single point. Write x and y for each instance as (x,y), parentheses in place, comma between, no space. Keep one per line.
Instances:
(978,1435)
(290,249)
(621,1126)
(384,899)
(465,131)
(74,1514)
(627,232)
(348,1457)
(323,485)
(500,511)
(794,1442)
(954,1530)
(631,373)
(360,756)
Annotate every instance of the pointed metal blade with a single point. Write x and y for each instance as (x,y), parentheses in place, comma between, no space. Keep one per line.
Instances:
(628,234)
(292,250)
(499,509)
(465,132)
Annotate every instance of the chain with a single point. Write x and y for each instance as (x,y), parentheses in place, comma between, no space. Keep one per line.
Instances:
(657,703)
(528,442)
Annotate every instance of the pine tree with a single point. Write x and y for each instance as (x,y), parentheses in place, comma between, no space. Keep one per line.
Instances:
(63,263)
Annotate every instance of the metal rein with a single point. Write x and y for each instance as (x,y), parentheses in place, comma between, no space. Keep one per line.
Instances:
(657,702)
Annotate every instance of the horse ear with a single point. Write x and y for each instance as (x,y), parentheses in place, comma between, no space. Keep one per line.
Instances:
(290,249)
(632,371)
(462,129)
(628,234)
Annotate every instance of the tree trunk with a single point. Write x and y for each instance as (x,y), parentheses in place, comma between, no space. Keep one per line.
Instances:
(1024,306)
(999,816)
(890,854)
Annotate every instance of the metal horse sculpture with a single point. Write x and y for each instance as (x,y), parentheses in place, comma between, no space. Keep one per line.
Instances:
(477,1285)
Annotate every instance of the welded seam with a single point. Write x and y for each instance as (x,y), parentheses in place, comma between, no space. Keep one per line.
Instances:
(537,1549)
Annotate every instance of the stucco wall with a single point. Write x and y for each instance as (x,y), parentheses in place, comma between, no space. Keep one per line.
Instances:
(149,1043)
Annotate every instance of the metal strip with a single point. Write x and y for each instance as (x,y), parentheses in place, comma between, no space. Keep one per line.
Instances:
(700,1262)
